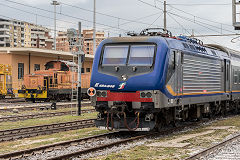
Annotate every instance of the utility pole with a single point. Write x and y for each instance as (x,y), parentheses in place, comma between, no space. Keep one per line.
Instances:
(55,3)
(192,33)
(80,60)
(74,37)
(165,15)
(94,26)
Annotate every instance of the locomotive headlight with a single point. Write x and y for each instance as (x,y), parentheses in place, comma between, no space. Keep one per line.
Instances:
(98,93)
(104,94)
(142,94)
(124,77)
(149,95)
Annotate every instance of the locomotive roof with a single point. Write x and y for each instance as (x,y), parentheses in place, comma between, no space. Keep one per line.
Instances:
(211,50)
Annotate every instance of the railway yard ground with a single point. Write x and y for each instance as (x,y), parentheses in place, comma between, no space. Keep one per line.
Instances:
(186,143)
(179,144)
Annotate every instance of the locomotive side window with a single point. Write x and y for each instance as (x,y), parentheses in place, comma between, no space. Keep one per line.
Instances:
(141,55)
(55,78)
(64,67)
(238,77)
(115,55)
(49,66)
(235,76)
(171,65)
(51,81)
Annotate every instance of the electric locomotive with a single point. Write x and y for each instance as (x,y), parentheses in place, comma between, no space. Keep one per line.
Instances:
(152,79)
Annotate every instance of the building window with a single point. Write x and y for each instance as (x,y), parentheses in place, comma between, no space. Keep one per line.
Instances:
(36,67)
(87,69)
(20,70)
(82,70)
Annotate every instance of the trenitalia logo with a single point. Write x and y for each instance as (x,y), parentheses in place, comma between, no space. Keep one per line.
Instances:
(104,85)
(122,85)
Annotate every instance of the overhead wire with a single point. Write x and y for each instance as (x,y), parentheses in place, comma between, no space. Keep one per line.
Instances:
(179,23)
(183,12)
(66,15)
(118,18)
(201,4)
(32,13)
(154,21)
(196,16)
(60,20)
(195,21)
(205,25)
(14,19)
(171,5)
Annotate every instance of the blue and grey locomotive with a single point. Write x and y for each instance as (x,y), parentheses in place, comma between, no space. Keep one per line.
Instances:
(152,80)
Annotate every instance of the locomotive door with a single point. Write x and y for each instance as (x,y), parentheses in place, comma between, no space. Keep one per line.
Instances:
(226,75)
(178,73)
(46,83)
(179,58)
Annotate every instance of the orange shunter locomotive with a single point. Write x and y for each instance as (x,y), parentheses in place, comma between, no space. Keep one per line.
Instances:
(53,83)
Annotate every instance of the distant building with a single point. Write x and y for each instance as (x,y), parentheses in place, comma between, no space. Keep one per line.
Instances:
(14,33)
(62,42)
(88,40)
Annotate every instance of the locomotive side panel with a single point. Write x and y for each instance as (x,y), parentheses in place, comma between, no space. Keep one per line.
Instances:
(33,82)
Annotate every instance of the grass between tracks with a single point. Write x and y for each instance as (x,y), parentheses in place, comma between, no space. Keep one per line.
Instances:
(196,143)
(44,121)
(28,143)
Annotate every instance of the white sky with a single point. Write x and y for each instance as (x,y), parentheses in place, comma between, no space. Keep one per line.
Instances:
(129,11)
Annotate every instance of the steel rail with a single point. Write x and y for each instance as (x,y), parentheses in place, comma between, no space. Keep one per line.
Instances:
(213,148)
(41,115)
(34,107)
(45,147)
(13,134)
(13,100)
(78,153)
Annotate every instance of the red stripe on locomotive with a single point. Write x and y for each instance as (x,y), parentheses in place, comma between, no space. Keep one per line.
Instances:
(127,97)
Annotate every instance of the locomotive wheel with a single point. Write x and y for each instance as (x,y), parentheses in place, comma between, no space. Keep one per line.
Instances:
(160,122)
(47,100)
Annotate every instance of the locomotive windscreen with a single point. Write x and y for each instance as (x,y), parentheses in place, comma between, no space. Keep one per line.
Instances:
(115,55)
(141,55)
(131,55)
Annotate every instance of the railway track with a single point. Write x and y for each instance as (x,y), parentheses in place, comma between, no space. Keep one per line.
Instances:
(41,115)
(213,149)
(88,145)
(19,133)
(12,100)
(40,106)
(94,143)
